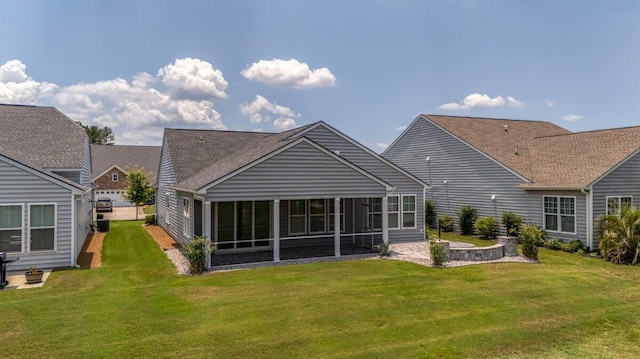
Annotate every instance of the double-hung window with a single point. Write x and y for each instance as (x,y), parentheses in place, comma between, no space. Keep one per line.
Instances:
(317,216)
(375,214)
(615,204)
(393,212)
(409,211)
(186,216)
(332,213)
(42,227)
(11,228)
(167,206)
(297,217)
(560,214)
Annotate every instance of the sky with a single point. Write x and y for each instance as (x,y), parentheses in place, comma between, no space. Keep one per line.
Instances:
(367,68)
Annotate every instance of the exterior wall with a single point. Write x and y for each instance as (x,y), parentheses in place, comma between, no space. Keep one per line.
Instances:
(18,186)
(105,181)
(471,178)
(74,176)
(178,218)
(300,172)
(623,181)
(85,178)
(167,215)
(83,220)
(535,200)
(371,163)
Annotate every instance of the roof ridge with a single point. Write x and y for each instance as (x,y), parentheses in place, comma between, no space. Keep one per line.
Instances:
(592,131)
(490,118)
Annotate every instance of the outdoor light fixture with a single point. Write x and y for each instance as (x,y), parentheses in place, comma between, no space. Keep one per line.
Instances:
(428,159)
(493,197)
(445,182)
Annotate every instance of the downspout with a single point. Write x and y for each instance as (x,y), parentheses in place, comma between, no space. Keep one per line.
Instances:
(589,219)
(73,230)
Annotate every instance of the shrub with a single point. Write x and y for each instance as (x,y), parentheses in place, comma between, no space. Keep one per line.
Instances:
(383,249)
(620,236)
(150,219)
(512,223)
(467,217)
(554,243)
(531,237)
(438,252)
(430,215)
(487,227)
(573,246)
(446,223)
(196,252)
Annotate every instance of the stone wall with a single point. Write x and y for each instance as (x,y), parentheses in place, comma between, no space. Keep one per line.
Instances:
(506,247)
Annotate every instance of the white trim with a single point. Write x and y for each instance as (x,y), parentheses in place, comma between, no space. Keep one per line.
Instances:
(115,178)
(297,215)
(22,225)
(415,211)
(167,214)
(559,215)
(360,146)
(107,170)
(589,200)
(325,209)
(55,227)
(186,216)
(606,202)
(75,189)
(74,225)
(397,213)
(203,190)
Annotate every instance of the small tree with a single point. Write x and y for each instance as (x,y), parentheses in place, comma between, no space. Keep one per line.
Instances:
(467,217)
(487,227)
(446,223)
(512,223)
(430,215)
(531,237)
(138,189)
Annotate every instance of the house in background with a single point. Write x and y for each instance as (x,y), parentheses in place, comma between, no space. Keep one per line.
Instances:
(559,180)
(109,169)
(252,191)
(45,187)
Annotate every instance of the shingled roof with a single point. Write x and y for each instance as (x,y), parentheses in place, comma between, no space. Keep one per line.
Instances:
(545,154)
(103,157)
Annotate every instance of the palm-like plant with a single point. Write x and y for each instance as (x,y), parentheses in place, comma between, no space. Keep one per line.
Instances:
(620,236)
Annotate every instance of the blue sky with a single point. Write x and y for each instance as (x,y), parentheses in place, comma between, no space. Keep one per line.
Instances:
(367,68)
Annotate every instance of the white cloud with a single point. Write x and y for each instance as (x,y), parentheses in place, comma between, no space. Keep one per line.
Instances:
(181,95)
(261,110)
(283,123)
(401,128)
(381,145)
(572,118)
(550,103)
(477,100)
(288,73)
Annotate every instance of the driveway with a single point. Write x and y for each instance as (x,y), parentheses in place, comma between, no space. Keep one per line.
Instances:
(123,213)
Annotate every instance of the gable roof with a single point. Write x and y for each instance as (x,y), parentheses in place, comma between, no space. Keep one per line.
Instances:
(105,157)
(547,155)
(41,137)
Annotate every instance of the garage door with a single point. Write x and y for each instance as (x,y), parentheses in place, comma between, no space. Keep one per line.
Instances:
(115,197)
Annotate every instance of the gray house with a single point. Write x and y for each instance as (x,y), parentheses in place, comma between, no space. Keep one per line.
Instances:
(251,191)
(45,187)
(560,180)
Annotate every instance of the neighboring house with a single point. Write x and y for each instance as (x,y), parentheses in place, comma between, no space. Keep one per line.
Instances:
(251,191)
(559,180)
(45,187)
(110,164)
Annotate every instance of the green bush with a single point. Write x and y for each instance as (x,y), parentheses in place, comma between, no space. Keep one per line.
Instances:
(487,227)
(513,222)
(467,217)
(430,215)
(620,236)
(530,238)
(573,246)
(554,243)
(446,223)
(196,252)
(383,249)
(150,219)
(438,252)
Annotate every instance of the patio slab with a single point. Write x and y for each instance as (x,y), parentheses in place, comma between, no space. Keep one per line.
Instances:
(17,281)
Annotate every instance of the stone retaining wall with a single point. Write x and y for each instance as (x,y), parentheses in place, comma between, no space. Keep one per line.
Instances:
(506,247)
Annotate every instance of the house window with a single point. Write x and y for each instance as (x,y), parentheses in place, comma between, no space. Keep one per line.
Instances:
(186,214)
(393,212)
(615,204)
(560,214)
(42,227)
(317,216)
(114,177)
(375,214)
(409,211)
(11,228)
(297,217)
(332,213)
(167,206)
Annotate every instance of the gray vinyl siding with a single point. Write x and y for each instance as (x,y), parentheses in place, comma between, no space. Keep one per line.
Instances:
(471,177)
(85,178)
(536,213)
(70,175)
(178,219)
(18,186)
(299,172)
(84,218)
(623,181)
(166,181)
(403,184)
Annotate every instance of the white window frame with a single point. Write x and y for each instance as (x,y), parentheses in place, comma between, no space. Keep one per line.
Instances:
(168,204)
(323,215)
(21,229)
(559,214)
(415,212)
(114,177)
(395,213)
(55,227)
(304,215)
(619,204)
(186,216)
(371,214)
(331,203)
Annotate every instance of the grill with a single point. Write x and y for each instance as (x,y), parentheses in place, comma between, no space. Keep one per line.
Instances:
(4,263)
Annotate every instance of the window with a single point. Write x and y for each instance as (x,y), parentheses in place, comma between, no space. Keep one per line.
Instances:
(297,217)
(114,177)
(186,214)
(560,214)
(317,216)
(409,211)
(332,213)
(393,211)
(11,228)
(375,213)
(42,224)
(615,204)
(167,203)
(245,224)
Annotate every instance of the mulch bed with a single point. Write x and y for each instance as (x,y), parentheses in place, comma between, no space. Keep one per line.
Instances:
(161,237)
(91,254)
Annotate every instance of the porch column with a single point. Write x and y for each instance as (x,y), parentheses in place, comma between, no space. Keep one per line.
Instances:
(207,228)
(336,226)
(385,219)
(276,230)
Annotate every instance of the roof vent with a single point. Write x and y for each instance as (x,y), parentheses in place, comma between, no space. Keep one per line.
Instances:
(516,151)
(506,128)
(200,140)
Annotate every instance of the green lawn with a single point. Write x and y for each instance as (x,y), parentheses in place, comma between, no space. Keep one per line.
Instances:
(135,306)
(150,209)
(478,242)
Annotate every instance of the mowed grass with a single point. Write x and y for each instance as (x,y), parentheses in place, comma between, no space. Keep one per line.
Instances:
(135,306)
(455,237)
